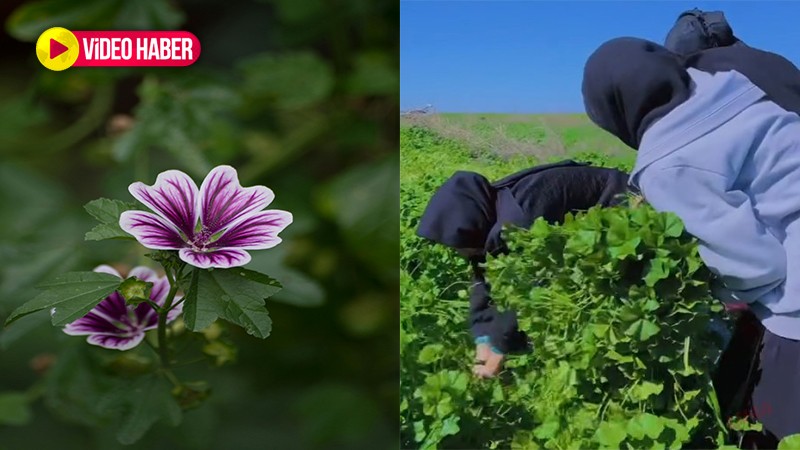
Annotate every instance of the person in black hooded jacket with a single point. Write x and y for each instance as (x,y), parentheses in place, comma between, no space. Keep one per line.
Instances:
(697,30)
(467,213)
(717,134)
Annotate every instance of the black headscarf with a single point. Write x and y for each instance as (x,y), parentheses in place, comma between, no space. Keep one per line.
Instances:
(461,212)
(465,212)
(629,83)
(516,177)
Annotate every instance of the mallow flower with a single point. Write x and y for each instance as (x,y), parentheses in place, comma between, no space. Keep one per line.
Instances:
(116,325)
(213,226)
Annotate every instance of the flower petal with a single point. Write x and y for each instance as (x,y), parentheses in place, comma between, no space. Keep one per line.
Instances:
(257,232)
(150,230)
(176,311)
(221,258)
(105,268)
(174,197)
(116,341)
(146,316)
(160,290)
(106,317)
(223,200)
(143,273)
(91,323)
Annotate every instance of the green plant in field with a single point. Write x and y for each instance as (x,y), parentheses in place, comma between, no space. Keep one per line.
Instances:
(616,301)
(617,305)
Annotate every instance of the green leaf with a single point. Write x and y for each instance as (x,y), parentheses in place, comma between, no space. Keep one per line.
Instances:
(419,431)
(643,329)
(14,408)
(72,295)
(236,295)
(645,389)
(430,353)
(547,430)
(791,442)
(582,242)
(650,424)
(105,231)
(610,434)
(107,212)
(659,270)
(626,249)
(143,402)
(450,426)
(673,226)
(744,424)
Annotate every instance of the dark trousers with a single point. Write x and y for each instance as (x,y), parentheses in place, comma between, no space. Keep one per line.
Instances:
(758,376)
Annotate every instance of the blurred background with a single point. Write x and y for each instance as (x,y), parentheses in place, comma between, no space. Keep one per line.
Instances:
(300,96)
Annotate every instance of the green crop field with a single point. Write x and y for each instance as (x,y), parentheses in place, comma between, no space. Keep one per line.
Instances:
(615,301)
(531,134)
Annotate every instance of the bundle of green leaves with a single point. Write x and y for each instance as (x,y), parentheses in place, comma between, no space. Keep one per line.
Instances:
(617,305)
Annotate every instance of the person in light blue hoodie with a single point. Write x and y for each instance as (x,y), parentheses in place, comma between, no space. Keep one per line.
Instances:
(718,141)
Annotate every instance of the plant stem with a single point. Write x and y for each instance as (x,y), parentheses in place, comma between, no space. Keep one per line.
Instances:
(163,349)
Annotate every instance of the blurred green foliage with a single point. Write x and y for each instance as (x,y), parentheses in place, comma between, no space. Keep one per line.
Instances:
(300,96)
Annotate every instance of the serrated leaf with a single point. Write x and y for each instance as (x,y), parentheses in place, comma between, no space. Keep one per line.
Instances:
(105,231)
(236,295)
(107,212)
(72,295)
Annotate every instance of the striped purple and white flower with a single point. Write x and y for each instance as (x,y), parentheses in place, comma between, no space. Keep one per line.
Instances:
(116,325)
(213,226)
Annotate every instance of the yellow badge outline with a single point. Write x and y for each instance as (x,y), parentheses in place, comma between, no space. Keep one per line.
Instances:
(63,61)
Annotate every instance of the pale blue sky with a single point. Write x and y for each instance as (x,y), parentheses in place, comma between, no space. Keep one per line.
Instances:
(528,56)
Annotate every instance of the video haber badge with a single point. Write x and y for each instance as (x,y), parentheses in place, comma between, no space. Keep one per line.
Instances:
(59,49)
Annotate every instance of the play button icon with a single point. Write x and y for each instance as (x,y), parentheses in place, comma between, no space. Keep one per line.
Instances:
(56,48)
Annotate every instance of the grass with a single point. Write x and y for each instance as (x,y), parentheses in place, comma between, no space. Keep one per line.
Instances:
(543,136)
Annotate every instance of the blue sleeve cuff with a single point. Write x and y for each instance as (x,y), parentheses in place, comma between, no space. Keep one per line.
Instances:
(485,340)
